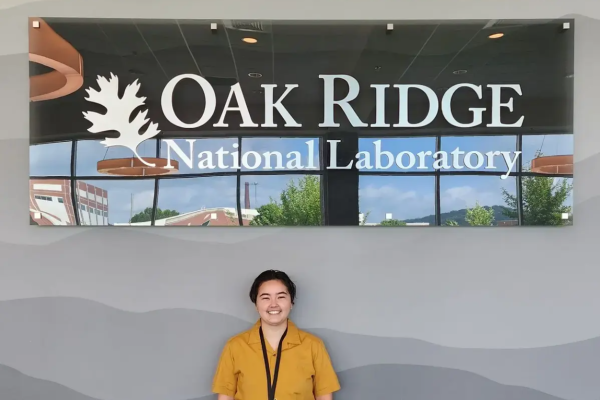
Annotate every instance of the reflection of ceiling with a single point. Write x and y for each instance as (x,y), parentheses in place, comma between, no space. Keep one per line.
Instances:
(538,56)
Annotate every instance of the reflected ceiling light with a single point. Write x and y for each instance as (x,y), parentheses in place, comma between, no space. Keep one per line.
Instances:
(134,167)
(569,76)
(556,165)
(459,72)
(48,48)
(496,35)
(249,40)
(255,75)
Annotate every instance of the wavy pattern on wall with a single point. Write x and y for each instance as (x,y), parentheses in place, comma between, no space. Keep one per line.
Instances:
(372,382)
(111,354)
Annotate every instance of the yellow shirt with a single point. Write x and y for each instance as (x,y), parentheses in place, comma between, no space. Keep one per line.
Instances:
(305,369)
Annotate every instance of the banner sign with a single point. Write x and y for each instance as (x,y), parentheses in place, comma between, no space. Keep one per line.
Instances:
(373,123)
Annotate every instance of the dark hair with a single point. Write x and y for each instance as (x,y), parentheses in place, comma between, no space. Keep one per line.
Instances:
(272,275)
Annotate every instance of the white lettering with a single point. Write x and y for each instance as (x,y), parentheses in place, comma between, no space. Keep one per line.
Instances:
(186,159)
(269,106)
(411,158)
(329,102)
(241,107)
(447,106)
(496,105)
(422,155)
(364,160)
(333,155)
(278,156)
(166,101)
(206,160)
(295,162)
(255,156)
(379,153)
(311,154)
(510,163)
(468,160)
(380,106)
(403,117)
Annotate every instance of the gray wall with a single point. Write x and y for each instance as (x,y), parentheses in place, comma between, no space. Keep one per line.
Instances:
(141,314)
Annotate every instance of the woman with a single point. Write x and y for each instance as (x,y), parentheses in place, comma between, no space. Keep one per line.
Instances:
(274,360)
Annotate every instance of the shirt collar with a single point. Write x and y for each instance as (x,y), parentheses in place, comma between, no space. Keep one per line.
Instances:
(292,337)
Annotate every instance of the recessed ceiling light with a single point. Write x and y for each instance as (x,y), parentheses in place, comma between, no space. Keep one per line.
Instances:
(569,76)
(255,75)
(496,35)
(459,72)
(249,40)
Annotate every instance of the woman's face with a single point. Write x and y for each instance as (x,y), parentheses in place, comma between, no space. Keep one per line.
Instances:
(273,302)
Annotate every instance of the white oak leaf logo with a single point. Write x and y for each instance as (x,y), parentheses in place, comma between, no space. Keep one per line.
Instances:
(118,113)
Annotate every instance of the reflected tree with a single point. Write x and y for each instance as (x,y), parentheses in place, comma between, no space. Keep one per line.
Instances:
(543,200)
(392,222)
(146,215)
(480,216)
(299,205)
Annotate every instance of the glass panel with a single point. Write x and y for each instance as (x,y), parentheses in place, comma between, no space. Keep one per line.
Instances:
(272,154)
(397,154)
(50,159)
(484,153)
(207,201)
(289,200)
(89,152)
(50,202)
(477,201)
(111,202)
(397,200)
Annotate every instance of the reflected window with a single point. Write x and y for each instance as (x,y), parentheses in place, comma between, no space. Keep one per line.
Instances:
(50,202)
(547,145)
(470,200)
(397,154)
(51,159)
(206,201)
(89,152)
(201,156)
(279,154)
(113,202)
(281,200)
(480,153)
(397,200)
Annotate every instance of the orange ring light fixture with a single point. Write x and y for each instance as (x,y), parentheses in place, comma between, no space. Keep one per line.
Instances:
(48,48)
(562,165)
(134,167)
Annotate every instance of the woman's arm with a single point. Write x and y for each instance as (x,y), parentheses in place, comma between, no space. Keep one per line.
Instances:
(224,397)
(323,397)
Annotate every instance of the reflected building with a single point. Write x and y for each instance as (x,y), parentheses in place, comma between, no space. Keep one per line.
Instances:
(51,203)
(220,216)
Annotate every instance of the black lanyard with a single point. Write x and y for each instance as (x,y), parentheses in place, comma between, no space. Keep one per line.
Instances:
(271,388)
